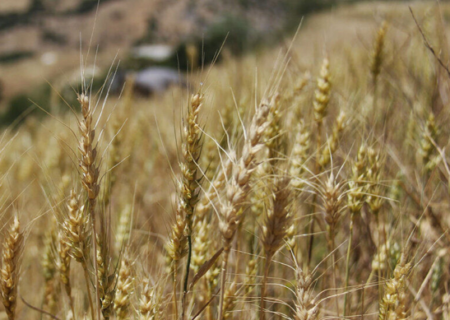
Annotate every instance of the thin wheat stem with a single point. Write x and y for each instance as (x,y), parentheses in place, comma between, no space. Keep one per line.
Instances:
(314,202)
(347,263)
(363,294)
(86,277)
(334,267)
(174,287)
(262,314)
(223,279)
(379,248)
(186,277)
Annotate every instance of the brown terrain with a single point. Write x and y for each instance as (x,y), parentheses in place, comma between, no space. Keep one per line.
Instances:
(55,36)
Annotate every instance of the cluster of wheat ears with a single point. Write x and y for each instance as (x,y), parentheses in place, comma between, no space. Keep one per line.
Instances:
(317,193)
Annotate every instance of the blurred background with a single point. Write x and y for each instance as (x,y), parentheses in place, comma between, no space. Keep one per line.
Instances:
(41,41)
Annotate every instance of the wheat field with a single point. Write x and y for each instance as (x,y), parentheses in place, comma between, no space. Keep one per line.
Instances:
(304,181)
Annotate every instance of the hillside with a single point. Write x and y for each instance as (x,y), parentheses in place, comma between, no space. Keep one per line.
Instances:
(41,39)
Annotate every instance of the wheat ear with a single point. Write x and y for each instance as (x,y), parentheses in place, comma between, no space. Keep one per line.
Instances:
(90,173)
(150,301)
(177,249)
(64,266)
(393,303)
(229,301)
(299,155)
(124,289)
(377,53)
(12,248)
(191,150)
(305,306)
(76,236)
(427,149)
(332,200)
(146,303)
(123,229)
(273,135)
(106,278)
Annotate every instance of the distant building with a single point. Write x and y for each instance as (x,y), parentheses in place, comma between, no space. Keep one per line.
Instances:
(150,80)
(154,52)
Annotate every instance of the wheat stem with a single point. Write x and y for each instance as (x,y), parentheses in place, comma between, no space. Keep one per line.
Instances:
(262,314)
(347,263)
(226,252)
(174,287)
(86,277)
(186,277)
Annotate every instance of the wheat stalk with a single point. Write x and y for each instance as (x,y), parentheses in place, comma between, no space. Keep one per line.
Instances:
(355,201)
(90,175)
(238,188)
(275,229)
(320,104)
